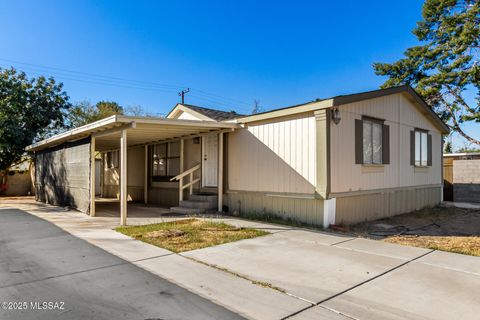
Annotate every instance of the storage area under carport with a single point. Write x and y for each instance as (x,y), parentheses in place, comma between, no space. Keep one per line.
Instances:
(66,162)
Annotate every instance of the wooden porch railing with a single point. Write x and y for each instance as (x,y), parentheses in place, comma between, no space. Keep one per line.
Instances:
(190,184)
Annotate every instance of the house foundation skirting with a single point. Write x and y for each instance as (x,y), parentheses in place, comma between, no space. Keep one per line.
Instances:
(113,191)
(358,208)
(304,210)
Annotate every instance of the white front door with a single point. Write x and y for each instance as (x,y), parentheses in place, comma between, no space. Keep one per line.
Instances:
(210,160)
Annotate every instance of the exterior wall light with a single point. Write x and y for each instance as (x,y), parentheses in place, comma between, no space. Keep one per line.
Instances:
(336,115)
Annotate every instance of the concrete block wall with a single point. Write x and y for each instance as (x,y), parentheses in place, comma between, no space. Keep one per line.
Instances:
(466,180)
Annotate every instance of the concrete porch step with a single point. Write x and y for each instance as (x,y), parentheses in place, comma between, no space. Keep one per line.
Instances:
(198,204)
(204,197)
(185,210)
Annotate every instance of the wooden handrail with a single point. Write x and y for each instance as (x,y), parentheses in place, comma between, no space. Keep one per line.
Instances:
(182,185)
(191,183)
(184,173)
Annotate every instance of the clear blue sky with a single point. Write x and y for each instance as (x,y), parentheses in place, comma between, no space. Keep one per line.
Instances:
(278,52)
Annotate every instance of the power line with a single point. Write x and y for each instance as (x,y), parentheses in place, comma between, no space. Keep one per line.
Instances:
(47,68)
(145,85)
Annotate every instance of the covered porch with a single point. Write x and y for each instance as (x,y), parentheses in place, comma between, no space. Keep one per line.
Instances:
(157,162)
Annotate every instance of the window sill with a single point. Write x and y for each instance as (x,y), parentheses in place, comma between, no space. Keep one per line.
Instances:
(373,165)
(372,168)
(421,168)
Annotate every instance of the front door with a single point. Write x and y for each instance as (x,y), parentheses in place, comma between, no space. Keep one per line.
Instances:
(210,160)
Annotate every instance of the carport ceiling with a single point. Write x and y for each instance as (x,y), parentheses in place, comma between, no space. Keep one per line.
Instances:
(140,131)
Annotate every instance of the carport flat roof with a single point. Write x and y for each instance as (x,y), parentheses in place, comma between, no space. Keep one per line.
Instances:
(141,130)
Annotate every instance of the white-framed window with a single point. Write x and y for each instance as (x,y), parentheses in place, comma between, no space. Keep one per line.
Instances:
(165,160)
(421,148)
(112,159)
(372,142)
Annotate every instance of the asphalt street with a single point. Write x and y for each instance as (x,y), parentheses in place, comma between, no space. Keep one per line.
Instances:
(46,273)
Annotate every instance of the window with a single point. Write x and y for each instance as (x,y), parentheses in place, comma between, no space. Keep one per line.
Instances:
(372,141)
(165,161)
(421,148)
(111,159)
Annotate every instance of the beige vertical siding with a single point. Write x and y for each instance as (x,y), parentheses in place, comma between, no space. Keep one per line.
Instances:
(277,156)
(135,174)
(402,116)
(187,116)
(373,206)
(304,210)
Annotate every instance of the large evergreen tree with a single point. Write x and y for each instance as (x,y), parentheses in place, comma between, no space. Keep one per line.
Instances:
(445,67)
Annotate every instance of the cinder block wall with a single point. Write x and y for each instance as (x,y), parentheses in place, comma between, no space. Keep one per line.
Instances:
(466,180)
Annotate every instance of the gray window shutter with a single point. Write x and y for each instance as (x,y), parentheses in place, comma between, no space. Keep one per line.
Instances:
(429,149)
(412,148)
(358,141)
(385,144)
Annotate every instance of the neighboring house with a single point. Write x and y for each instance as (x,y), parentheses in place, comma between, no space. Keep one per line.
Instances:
(340,160)
(19,180)
(461,172)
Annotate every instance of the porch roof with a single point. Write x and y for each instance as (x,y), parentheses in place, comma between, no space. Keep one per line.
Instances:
(141,131)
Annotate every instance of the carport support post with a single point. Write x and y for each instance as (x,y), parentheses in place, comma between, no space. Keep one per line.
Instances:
(220,172)
(145,182)
(123,178)
(92,177)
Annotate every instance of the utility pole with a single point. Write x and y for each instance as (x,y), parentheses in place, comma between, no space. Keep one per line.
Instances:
(182,94)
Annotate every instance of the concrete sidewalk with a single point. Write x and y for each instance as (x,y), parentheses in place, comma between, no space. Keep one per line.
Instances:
(311,275)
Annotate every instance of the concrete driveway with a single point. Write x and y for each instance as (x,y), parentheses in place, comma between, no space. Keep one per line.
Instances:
(296,274)
(40,262)
(351,278)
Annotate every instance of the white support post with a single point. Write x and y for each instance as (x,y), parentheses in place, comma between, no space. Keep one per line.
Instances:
(191,185)
(92,177)
(123,178)
(220,172)
(180,182)
(102,175)
(145,181)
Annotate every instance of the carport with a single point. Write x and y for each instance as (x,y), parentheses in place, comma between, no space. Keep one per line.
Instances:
(113,133)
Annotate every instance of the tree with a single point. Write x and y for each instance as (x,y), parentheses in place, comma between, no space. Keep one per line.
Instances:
(445,68)
(136,111)
(448,148)
(29,109)
(84,113)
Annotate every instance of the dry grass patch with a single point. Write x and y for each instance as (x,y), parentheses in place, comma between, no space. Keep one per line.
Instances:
(463,245)
(189,234)
(440,228)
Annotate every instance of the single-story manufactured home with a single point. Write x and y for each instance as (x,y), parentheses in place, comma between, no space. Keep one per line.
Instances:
(339,160)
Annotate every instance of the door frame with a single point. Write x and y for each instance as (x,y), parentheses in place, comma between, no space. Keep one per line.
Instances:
(203,148)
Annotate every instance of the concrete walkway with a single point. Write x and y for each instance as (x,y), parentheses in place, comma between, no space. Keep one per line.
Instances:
(303,274)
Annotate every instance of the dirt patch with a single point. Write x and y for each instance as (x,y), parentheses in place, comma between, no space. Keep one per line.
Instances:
(165,233)
(441,228)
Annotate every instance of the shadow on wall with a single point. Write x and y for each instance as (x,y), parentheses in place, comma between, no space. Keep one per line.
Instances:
(466,192)
(62,175)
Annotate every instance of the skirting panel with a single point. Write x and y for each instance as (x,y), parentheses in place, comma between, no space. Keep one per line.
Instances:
(304,210)
(353,209)
(167,197)
(112,191)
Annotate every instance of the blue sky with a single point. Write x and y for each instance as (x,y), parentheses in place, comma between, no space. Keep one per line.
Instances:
(229,53)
